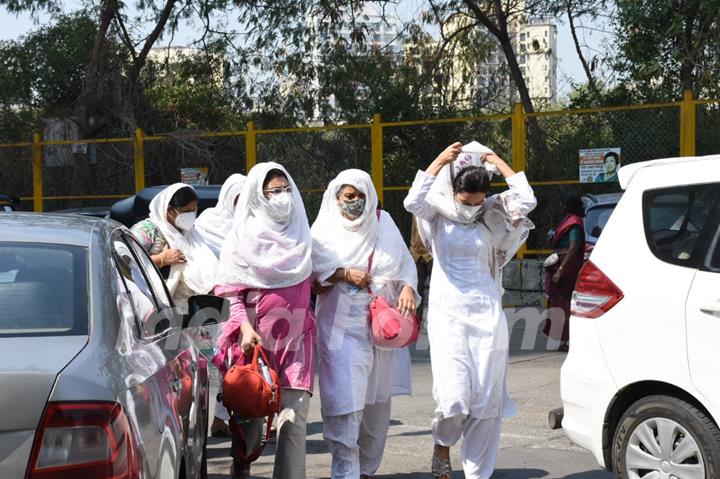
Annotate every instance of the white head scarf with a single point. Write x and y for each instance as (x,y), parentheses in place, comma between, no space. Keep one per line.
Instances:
(214,223)
(199,272)
(261,252)
(442,195)
(340,242)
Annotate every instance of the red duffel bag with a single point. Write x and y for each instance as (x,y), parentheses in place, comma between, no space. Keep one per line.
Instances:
(252,390)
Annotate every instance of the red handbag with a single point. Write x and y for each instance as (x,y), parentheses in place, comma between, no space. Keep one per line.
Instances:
(251,391)
(247,392)
(390,328)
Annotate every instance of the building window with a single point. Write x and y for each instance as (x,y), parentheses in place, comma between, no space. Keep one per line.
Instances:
(522,37)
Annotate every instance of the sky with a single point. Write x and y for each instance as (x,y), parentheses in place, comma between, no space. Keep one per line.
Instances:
(569,66)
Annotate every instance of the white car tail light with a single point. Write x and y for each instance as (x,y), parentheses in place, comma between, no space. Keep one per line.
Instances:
(595,294)
(88,440)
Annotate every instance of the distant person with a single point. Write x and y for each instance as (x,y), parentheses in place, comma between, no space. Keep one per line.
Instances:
(171,240)
(568,242)
(357,379)
(611,164)
(471,236)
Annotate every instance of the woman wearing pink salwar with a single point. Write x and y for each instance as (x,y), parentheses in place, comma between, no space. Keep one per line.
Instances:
(265,268)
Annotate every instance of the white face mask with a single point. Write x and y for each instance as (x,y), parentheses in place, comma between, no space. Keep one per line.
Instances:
(185,221)
(281,205)
(467,213)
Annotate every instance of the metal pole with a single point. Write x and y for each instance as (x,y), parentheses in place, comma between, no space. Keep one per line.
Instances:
(139,150)
(376,157)
(37,173)
(250,147)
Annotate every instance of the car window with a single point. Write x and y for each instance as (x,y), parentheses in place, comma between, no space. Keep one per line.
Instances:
(43,290)
(156,281)
(675,219)
(140,295)
(595,220)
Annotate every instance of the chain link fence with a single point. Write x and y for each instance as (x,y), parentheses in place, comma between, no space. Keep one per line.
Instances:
(99,172)
(641,134)
(315,156)
(16,173)
(166,156)
(83,175)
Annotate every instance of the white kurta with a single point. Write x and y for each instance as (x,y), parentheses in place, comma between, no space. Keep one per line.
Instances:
(467,328)
(352,371)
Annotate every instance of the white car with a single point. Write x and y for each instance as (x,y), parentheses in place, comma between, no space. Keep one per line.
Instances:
(641,383)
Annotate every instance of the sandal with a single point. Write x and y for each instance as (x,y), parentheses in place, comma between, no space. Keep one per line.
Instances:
(441,467)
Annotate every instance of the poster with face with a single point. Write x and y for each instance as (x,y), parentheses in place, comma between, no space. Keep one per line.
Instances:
(599,165)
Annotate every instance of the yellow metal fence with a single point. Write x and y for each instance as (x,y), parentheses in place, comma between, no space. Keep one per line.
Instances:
(98,171)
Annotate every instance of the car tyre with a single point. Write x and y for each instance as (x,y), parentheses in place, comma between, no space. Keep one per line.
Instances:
(667,435)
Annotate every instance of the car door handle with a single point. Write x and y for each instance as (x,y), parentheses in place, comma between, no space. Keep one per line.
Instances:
(713,309)
(177,385)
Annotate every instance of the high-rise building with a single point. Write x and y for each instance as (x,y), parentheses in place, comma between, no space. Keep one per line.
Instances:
(535,44)
(361,31)
(536,49)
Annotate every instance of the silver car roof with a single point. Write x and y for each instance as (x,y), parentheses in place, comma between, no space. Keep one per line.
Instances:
(74,230)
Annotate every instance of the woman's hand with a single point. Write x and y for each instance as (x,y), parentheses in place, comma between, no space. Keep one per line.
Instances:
(502,167)
(448,155)
(556,277)
(250,338)
(359,278)
(169,257)
(406,302)
(320,289)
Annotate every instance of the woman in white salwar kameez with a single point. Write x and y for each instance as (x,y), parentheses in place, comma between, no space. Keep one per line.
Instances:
(357,379)
(471,236)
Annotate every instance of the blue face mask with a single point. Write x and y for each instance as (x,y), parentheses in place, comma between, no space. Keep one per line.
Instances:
(353,208)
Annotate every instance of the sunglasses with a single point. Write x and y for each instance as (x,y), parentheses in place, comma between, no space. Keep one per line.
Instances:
(277,191)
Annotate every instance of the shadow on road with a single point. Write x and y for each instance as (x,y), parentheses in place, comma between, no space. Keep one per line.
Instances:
(504,474)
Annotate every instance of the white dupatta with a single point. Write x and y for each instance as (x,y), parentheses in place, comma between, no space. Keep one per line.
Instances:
(260,252)
(198,273)
(214,223)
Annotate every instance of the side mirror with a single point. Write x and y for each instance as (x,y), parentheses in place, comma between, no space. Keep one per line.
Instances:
(206,310)
(595,233)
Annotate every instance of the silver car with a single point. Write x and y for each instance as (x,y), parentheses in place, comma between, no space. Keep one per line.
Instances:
(99,376)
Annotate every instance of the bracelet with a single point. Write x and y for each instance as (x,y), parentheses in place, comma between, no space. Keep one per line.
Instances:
(345,275)
(162,261)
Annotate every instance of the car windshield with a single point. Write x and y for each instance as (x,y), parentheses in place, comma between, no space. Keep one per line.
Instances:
(595,220)
(43,290)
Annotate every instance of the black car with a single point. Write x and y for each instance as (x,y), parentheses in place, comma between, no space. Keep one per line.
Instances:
(137,207)
(9,203)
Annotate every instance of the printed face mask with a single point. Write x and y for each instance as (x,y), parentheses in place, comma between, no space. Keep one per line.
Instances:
(353,208)
(185,221)
(281,206)
(467,213)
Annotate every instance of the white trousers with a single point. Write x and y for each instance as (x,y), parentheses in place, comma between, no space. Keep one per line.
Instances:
(357,440)
(481,441)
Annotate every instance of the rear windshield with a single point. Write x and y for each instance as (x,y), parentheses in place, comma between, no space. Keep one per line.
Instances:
(595,220)
(43,290)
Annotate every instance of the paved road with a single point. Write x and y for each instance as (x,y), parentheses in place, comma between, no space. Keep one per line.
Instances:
(529,449)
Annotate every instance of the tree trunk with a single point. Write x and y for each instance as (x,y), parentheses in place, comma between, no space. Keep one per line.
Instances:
(586,67)
(89,97)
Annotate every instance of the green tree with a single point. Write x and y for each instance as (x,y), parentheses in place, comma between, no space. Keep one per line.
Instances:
(667,46)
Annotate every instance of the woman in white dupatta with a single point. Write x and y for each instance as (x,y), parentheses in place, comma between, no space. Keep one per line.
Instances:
(356,378)
(471,236)
(265,269)
(170,238)
(214,223)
